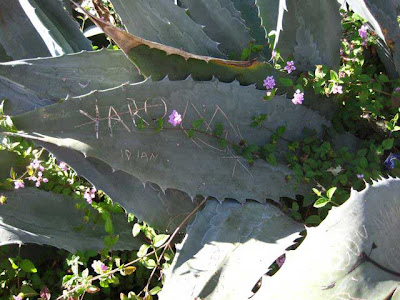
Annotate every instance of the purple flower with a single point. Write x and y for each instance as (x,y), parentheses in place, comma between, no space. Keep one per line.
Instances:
(17,297)
(389,162)
(269,82)
(39,179)
(360,176)
(63,166)
(280,260)
(175,118)
(298,97)
(89,195)
(337,89)
(19,184)
(341,52)
(342,74)
(363,32)
(290,66)
(36,165)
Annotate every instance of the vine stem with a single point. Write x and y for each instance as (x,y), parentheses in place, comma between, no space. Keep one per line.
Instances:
(164,247)
(171,239)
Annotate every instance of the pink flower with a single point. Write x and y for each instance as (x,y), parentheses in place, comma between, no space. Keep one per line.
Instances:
(89,195)
(342,74)
(280,260)
(341,52)
(290,67)
(99,267)
(36,165)
(19,184)
(273,55)
(360,176)
(269,82)
(175,118)
(45,293)
(298,97)
(39,179)
(63,166)
(17,297)
(337,89)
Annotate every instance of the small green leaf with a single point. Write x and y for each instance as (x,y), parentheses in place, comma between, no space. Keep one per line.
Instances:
(321,202)
(318,193)
(281,130)
(286,82)
(197,123)
(155,290)
(136,229)
(314,219)
(387,144)
(334,76)
(383,78)
(28,266)
(160,239)
(330,192)
(143,250)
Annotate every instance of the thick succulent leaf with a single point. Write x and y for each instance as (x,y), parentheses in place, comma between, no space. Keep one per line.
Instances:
(22,81)
(162,210)
(39,28)
(18,36)
(330,264)
(309,30)
(35,216)
(159,61)
(220,24)
(169,158)
(20,99)
(161,21)
(3,55)
(382,15)
(60,26)
(227,249)
(249,13)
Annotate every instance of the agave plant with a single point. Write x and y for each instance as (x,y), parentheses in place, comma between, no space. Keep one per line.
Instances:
(178,57)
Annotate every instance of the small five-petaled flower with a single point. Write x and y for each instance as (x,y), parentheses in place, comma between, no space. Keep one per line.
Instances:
(269,82)
(290,67)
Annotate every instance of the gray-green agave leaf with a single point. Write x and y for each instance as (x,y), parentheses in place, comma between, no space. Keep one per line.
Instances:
(35,216)
(308,30)
(32,83)
(353,254)
(161,21)
(220,24)
(164,210)
(39,28)
(227,249)
(102,125)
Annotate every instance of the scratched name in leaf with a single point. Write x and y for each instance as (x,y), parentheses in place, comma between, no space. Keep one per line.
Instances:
(135,115)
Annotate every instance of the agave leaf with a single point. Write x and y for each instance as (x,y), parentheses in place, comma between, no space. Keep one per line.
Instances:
(20,98)
(3,55)
(309,30)
(22,81)
(169,158)
(332,262)
(39,28)
(159,61)
(220,24)
(163,22)
(35,216)
(249,13)
(227,249)
(60,26)
(162,210)
(18,36)
(382,15)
